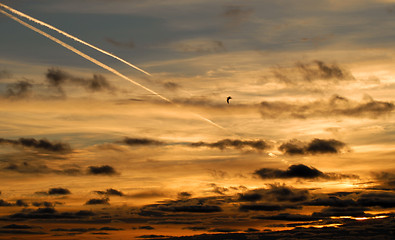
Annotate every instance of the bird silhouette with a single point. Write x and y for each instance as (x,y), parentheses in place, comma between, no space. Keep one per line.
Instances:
(228,98)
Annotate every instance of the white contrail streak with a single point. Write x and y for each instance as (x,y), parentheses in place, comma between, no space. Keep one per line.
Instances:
(83,55)
(63,44)
(69,36)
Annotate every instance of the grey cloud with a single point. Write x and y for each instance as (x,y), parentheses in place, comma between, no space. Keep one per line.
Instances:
(141,141)
(379,199)
(275,193)
(316,146)
(50,213)
(29,168)
(4,74)
(294,171)
(20,89)
(200,46)
(56,191)
(300,171)
(58,78)
(96,201)
(311,72)
(42,144)
(266,207)
(130,44)
(259,145)
(110,192)
(236,15)
(102,170)
(335,106)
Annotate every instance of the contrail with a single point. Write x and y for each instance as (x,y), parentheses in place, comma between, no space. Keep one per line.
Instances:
(83,55)
(70,36)
(65,45)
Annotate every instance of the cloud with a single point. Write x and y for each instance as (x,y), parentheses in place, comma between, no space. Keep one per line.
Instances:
(236,15)
(316,146)
(96,201)
(56,191)
(311,72)
(335,106)
(332,202)
(110,192)
(50,213)
(20,89)
(4,74)
(265,207)
(141,141)
(200,46)
(300,171)
(259,145)
(379,199)
(17,226)
(58,78)
(101,170)
(42,144)
(294,171)
(29,168)
(130,44)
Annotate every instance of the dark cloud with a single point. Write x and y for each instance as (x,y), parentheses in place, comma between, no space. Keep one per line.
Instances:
(236,15)
(184,195)
(58,191)
(377,199)
(101,170)
(4,74)
(384,181)
(259,145)
(130,44)
(4,203)
(294,171)
(332,202)
(42,144)
(20,89)
(17,226)
(110,192)
(171,86)
(29,168)
(146,227)
(334,106)
(96,201)
(21,203)
(289,217)
(316,146)
(250,197)
(50,213)
(342,211)
(311,72)
(265,207)
(148,194)
(58,78)
(224,230)
(201,46)
(141,141)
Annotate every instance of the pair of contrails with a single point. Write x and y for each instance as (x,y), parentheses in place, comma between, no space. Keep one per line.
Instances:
(20,14)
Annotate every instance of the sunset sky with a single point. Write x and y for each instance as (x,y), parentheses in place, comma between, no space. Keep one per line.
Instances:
(305,147)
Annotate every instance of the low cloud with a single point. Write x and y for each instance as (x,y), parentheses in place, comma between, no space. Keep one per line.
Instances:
(294,171)
(29,168)
(300,171)
(57,78)
(334,106)
(311,72)
(235,15)
(42,144)
(129,44)
(18,90)
(141,141)
(200,46)
(50,213)
(258,145)
(110,192)
(56,191)
(97,201)
(316,146)
(102,170)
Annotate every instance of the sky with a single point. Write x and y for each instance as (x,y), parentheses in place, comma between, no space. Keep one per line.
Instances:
(94,148)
